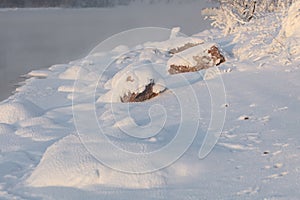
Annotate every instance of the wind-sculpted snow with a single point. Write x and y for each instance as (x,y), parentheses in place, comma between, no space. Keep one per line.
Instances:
(62,136)
(17,111)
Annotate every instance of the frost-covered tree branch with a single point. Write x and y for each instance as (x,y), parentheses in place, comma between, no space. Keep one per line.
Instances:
(232,13)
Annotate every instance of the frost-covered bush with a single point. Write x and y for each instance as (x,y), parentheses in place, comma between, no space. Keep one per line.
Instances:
(232,13)
(261,6)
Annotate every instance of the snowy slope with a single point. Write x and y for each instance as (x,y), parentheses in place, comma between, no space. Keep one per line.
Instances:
(63,137)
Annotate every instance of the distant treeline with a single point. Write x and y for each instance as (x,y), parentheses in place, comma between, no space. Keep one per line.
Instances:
(61,3)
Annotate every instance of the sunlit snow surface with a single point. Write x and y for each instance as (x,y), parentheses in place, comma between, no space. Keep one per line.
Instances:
(43,156)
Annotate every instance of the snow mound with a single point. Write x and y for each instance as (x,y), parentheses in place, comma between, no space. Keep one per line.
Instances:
(16,111)
(134,79)
(67,163)
(71,73)
(8,140)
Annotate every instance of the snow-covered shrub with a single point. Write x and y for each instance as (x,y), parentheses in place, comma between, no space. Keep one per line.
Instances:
(232,13)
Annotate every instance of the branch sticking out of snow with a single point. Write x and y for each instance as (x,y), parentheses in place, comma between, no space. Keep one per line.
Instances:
(148,93)
(134,84)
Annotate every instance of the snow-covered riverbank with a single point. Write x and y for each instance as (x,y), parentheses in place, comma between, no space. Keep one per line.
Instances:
(37,38)
(60,139)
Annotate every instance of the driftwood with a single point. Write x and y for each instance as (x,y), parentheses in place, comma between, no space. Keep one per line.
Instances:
(213,58)
(140,97)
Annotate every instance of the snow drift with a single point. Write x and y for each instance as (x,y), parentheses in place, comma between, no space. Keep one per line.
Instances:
(44,156)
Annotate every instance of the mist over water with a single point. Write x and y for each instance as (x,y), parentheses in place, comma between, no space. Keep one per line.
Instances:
(38,38)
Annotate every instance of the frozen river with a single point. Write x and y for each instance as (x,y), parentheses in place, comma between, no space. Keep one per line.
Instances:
(36,38)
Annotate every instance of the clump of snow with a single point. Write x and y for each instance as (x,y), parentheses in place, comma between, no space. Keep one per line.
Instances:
(175,32)
(15,111)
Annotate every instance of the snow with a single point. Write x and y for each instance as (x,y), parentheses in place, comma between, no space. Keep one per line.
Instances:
(290,34)
(16,111)
(42,37)
(133,79)
(5,128)
(188,57)
(70,166)
(291,23)
(174,43)
(66,135)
